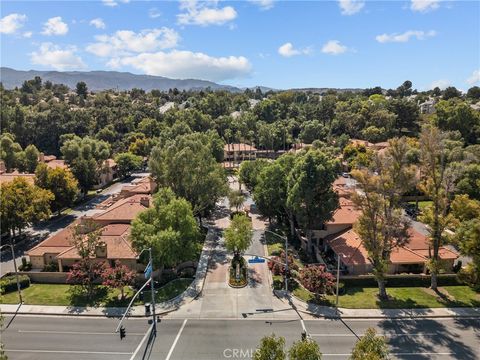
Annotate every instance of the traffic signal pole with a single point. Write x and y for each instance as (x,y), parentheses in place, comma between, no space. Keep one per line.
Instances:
(152,286)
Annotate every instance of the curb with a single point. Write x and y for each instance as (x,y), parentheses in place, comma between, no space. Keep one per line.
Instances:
(175,302)
(475,314)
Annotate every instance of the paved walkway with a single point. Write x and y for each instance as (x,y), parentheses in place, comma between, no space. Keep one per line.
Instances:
(329,312)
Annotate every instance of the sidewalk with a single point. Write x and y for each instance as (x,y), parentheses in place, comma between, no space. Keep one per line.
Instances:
(330,312)
(187,296)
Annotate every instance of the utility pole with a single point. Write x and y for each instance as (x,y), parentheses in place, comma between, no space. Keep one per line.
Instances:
(16,272)
(152,285)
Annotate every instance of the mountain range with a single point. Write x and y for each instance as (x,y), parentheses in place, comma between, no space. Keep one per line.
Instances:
(105,80)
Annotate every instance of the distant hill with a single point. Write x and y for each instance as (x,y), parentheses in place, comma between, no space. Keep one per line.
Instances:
(104,80)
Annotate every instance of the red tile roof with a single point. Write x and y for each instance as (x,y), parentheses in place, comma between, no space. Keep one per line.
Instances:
(124,210)
(116,239)
(350,244)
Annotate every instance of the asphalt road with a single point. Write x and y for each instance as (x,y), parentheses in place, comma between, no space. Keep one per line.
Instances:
(42,338)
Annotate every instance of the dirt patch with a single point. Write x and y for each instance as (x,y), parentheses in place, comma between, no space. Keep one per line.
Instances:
(441,295)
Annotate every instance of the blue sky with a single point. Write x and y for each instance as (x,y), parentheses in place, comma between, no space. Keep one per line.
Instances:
(281,44)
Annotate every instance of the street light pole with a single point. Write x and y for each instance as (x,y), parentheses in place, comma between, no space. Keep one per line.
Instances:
(16,272)
(338,278)
(152,285)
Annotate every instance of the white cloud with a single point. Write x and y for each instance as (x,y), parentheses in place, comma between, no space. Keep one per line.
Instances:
(475,78)
(98,23)
(334,47)
(27,34)
(154,13)
(113,3)
(350,7)
(199,13)
(11,23)
(287,50)
(187,64)
(55,26)
(424,5)
(126,42)
(404,37)
(53,56)
(442,84)
(263,4)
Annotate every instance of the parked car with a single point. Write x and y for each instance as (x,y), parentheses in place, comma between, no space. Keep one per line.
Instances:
(346,175)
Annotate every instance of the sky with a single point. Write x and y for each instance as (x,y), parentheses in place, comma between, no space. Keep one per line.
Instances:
(279,44)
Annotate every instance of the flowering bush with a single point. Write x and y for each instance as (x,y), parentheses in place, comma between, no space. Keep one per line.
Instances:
(316,279)
(279,269)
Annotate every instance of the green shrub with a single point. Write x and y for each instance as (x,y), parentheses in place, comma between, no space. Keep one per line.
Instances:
(9,283)
(50,267)
(26,265)
(403,281)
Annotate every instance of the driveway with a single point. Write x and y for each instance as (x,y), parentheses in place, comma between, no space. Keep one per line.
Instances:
(218,299)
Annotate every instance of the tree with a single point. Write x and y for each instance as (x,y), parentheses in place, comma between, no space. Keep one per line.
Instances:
(249,171)
(82,89)
(86,238)
(9,151)
(22,204)
(60,182)
(31,158)
(271,348)
(469,181)
(381,225)
(316,279)
(370,346)
(310,192)
(305,350)
(438,184)
(118,277)
(85,157)
(236,199)
(187,166)
(238,236)
(271,191)
(168,227)
(450,93)
(128,163)
(467,235)
(473,93)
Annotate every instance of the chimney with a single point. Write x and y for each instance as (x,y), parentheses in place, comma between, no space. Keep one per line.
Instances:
(145,201)
(101,250)
(41,157)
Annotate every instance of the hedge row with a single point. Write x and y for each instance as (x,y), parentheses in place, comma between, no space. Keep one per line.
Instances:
(402,281)
(9,283)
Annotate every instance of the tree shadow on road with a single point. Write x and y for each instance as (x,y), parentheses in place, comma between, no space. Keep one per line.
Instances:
(440,336)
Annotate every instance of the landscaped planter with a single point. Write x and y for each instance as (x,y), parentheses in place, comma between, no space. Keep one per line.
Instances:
(237,275)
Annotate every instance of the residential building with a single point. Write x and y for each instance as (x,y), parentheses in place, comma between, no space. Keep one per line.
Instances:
(114,222)
(107,173)
(410,258)
(234,154)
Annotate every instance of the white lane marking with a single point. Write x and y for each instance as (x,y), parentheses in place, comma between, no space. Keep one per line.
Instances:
(69,352)
(176,339)
(386,335)
(73,332)
(147,334)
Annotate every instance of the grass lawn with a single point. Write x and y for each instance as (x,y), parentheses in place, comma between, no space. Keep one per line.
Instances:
(70,295)
(66,295)
(172,289)
(400,297)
